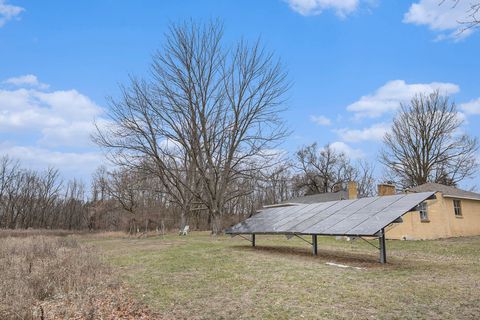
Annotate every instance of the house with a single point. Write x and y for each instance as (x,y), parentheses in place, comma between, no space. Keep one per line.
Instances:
(454,213)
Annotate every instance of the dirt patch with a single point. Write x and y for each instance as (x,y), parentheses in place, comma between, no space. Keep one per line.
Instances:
(114,302)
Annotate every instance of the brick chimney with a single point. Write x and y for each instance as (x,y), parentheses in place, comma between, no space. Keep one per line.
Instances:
(352,190)
(386,189)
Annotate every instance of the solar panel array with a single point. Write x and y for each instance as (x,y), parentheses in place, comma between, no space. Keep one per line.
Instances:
(359,217)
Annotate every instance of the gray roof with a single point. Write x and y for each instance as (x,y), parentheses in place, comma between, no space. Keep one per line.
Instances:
(359,217)
(447,191)
(321,197)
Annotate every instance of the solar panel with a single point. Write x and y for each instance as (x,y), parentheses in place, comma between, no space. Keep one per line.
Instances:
(360,217)
(293,221)
(338,221)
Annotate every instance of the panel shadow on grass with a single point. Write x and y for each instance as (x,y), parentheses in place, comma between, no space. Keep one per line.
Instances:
(363,259)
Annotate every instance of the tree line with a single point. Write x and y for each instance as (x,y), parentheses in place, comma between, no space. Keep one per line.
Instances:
(133,200)
(145,203)
(33,199)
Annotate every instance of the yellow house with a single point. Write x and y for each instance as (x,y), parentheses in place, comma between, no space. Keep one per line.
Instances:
(454,213)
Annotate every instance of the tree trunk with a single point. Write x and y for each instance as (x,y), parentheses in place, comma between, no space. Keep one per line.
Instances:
(183,219)
(216,222)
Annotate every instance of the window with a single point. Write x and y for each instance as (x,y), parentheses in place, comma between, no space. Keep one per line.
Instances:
(422,208)
(457,207)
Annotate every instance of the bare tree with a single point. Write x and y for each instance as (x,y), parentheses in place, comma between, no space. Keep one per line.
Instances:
(125,188)
(74,205)
(426,143)
(8,171)
(322,170)
(327,170)
(204,120)
(364,175)
(99,184)
(276,184)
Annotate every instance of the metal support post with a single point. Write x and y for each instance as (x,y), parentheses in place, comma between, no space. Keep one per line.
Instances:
(314,244)
(253,240)
(383,249)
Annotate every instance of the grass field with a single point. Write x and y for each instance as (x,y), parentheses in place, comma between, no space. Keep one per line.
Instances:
(205,277)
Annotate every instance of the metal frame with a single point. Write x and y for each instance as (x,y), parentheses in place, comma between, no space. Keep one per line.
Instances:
(252,239)
(296,235)
(381,240)
(383,247)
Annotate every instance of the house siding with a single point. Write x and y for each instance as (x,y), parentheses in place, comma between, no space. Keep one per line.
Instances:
(442,221)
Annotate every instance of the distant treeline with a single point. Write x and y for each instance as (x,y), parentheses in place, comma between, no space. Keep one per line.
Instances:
(133,201)
(31,199)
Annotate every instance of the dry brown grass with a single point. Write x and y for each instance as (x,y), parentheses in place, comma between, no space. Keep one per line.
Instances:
(22,233)
(46,277)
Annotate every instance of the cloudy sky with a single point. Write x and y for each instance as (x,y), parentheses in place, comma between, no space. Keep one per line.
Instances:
(351,63)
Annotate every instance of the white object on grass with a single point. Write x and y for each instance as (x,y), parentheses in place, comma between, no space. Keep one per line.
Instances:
(184,231)
(342,265)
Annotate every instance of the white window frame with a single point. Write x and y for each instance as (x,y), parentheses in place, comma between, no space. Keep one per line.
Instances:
(457,209)
(423,211)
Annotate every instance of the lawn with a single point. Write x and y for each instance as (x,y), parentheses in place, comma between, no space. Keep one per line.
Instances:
(205,277)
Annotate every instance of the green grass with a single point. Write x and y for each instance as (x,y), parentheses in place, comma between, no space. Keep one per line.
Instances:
(205,277)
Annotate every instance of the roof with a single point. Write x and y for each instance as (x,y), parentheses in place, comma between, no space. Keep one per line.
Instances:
(314,198)
(447,191)
(359,217)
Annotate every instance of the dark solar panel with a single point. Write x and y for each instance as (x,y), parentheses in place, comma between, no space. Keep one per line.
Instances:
(365,216)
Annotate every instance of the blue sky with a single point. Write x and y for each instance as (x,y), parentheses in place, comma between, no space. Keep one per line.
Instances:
(350,61)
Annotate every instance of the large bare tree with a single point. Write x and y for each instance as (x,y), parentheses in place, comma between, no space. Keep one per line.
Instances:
(208,117)
(426,143)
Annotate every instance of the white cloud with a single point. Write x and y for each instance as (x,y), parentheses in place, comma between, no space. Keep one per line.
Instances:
(321,120)
(444,18)
(72,163)
(49,128)
(389,96)
(8,12)
(315,7)
(75,133)
(347,150)
(59,117)
(471,107)
(374,133)
(29,80)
